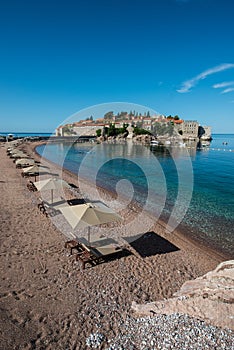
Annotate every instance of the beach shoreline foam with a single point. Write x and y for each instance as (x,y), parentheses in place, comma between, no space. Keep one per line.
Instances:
(48,301)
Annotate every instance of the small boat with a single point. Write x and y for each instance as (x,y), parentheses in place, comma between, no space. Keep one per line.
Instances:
(10,137)
(154,143)
(182,144)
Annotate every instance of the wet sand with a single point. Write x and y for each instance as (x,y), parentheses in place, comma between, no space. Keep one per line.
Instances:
(49,302)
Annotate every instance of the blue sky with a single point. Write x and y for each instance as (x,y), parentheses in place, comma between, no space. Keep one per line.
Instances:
(58,57)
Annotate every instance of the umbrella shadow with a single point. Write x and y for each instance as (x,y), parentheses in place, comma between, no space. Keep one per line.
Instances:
(150,244)
(73,185)
(118,255)
(75,201)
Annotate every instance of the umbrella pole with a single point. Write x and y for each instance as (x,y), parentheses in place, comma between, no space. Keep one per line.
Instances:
(89,234)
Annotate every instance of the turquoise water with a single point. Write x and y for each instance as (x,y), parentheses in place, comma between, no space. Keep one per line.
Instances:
(25,134)
(163,179)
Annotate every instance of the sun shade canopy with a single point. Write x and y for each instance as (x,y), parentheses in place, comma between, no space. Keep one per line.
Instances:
(88,214)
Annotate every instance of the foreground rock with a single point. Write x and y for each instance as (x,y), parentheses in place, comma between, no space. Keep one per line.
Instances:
(210,298)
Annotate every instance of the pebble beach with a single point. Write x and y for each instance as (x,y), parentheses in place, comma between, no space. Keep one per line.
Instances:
(49,302)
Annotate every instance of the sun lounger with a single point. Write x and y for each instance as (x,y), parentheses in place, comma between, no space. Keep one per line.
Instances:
(73,244)
(83,253)
(86,257)
(31,186)
(22,166)
(29,174)
(51,209)
(93,253)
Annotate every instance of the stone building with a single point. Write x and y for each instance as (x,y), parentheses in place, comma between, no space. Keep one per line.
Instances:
(190,129)
(87,130)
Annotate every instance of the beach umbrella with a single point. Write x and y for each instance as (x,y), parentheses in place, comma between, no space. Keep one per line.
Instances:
(15,151)
(88,214)
(51,184)
(31,169)
(18,154)
(24,161)
(34,170)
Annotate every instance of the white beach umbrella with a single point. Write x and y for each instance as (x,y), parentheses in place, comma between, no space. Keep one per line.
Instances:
(24,161)
(31,169)
(51,184)
(88,214)
(34,170)
(18,154)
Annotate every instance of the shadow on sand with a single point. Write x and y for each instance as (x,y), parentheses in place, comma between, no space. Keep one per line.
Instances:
(151,243)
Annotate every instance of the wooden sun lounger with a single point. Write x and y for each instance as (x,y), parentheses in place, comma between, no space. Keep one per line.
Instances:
(31,186)
(42,208)
(29,174)
(92,255)
(73,244)
(21,166)
(50,209)
(83,253)
(86,257)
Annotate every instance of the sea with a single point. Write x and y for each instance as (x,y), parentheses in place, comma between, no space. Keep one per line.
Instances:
(25,134)
(190,188)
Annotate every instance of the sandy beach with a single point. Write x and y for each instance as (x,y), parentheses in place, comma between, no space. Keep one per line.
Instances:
(49,302)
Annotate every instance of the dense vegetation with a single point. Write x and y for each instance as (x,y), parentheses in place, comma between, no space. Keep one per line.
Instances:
(113,131)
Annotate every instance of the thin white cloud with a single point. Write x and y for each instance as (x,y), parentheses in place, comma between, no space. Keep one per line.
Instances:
(227,90)
(187,85)
(224,84)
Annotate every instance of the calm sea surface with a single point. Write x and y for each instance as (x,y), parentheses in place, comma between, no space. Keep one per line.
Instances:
(25,134)
(163,180)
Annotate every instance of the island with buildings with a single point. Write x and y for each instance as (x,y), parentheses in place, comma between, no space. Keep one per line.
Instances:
(143,128)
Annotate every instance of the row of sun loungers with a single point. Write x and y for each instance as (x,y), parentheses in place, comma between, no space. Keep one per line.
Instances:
(87,253)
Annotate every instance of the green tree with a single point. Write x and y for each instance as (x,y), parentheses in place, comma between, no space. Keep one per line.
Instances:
(111,130)
(99,132)
(161,129)
(67,130)
(105,131)
(123,114)
(176,117)
(140,131)
(109,115)
(122,130)
(139,124)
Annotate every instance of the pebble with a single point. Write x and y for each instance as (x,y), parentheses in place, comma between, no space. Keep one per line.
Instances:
(94,340)
(175,331)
